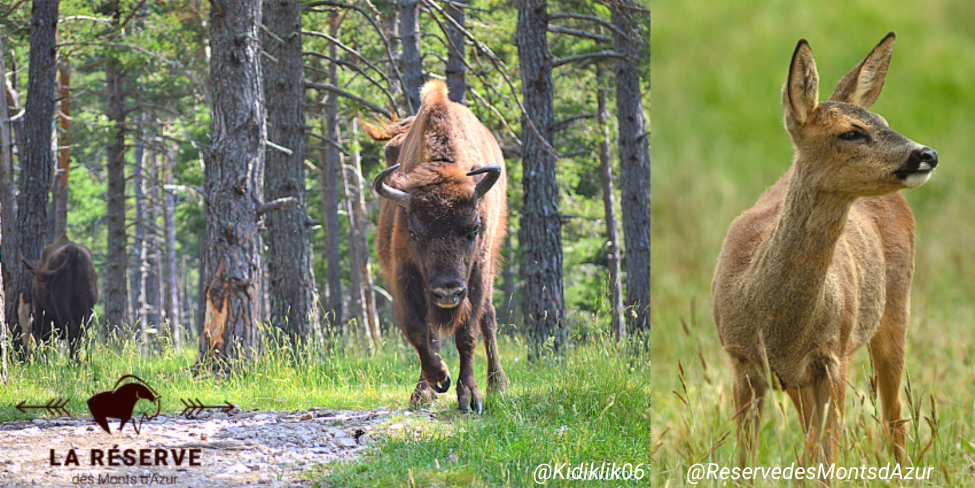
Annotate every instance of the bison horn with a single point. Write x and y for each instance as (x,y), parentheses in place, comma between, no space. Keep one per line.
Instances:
(493,173)
(398,197)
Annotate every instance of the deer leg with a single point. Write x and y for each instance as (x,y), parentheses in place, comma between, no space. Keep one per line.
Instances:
(749,393)
(803,399)
(829,394)
(468,396)
(887,350)
(496,379)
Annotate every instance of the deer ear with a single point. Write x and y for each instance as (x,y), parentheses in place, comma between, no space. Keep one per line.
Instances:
(801,92)
(861,86)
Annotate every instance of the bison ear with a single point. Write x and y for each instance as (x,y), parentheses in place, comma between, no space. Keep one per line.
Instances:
(31,268)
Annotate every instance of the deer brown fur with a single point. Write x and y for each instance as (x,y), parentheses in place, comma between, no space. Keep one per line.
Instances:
(822,263)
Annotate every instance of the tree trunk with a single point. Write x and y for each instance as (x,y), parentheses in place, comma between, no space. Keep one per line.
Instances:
(152,263)
(60,193)
(634,148)
(409,15)
(289,257)
(508,284)
(6,196)
(541,227)
(618,326)
(234,184)
(362,243)
(456,85)
(139,247)
(8,210)
(171,295)
(37,161)
(330,196)
(357,298)
(116,286)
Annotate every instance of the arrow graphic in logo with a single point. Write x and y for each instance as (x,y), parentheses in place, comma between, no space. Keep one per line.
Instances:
(53,407)
(196,407)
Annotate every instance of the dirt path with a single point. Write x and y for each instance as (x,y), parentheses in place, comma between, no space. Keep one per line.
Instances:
(243,448)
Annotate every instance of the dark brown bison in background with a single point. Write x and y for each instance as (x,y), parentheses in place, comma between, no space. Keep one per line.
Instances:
(442,222)
(63,293)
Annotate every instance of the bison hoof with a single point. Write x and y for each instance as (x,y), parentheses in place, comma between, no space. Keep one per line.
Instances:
(476,406)
(443,386)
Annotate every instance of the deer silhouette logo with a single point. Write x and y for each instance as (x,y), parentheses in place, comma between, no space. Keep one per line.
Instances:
(120,402)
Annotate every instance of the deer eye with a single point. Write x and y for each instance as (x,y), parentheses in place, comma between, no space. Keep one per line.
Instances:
(852,136)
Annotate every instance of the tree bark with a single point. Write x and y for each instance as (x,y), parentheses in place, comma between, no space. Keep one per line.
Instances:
(541,227)
(362,244)
(139,248)
(6,195)
(152,264)
(409,15)
(456,84)
(60,194)
(289,256)
(357,298)
(171,300)
(634,148)
(234,184)
(116,286)
(618,325)
(330,176)
(8,210)
(37,161)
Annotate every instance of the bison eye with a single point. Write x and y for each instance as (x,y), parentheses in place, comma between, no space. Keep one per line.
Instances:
(413,236)
(472,234)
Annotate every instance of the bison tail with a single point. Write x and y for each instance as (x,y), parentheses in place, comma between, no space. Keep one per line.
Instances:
(433,92)
(387,130)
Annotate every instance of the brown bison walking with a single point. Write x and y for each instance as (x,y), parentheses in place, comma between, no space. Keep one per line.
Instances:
(443,218)
(64,291)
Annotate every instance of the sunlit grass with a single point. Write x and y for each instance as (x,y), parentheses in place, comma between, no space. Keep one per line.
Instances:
(590,405)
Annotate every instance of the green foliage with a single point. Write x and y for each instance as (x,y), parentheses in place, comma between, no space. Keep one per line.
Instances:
(719,69)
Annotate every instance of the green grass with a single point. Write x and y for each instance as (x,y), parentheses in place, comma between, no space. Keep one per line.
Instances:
(588,406)
(718,142)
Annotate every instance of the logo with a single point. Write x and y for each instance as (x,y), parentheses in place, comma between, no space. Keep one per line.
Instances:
(120,402)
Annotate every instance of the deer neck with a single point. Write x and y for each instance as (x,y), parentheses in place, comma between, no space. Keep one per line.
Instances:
(796,258)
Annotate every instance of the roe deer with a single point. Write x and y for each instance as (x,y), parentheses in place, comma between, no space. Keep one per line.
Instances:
(822,263)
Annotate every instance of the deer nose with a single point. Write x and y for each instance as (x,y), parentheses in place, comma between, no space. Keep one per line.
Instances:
(929,158)
(449,295)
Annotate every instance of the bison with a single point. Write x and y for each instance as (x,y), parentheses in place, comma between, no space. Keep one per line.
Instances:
(441,225)
(63,293)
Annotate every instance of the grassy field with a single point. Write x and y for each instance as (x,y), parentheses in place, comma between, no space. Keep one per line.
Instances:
(588,406)
(718,142)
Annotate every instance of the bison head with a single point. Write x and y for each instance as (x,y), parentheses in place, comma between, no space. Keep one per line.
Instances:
(442,224)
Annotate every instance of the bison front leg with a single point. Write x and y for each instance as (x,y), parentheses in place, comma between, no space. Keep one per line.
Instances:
(468,396)
(423,393)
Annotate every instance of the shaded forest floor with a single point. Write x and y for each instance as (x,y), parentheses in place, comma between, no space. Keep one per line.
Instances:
(590,405)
